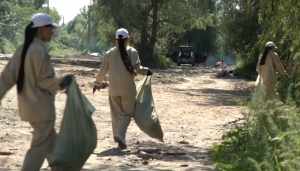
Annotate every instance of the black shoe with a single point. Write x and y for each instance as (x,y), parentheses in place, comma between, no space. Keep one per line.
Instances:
(121,144)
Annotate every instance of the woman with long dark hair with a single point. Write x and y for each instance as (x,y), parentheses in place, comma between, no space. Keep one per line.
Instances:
(268,64)
(122,64)
(31,70)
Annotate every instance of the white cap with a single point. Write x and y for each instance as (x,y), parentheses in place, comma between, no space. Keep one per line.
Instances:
(270,44)
(42,19)
(122,32)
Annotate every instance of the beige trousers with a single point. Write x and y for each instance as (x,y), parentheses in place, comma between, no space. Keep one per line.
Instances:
(271,93)
(42,145)
(122,110)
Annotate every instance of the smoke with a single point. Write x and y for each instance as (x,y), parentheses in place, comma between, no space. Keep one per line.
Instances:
(215,57)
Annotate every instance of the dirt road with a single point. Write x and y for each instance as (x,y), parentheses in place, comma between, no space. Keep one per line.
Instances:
(192,107)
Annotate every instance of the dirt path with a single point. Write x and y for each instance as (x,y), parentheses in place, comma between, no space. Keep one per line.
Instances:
(192,107)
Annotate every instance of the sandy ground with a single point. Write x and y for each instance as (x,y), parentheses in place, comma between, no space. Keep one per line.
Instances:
(192,106)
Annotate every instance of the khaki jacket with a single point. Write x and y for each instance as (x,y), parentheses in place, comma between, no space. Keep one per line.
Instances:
(268,71)
(121,82)
(36,101)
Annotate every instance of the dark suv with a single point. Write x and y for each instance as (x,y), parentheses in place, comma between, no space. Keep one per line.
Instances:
(186,55)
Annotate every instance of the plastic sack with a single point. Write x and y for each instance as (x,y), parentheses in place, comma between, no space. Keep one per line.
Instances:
(258,81)
(260,90)
(145,115)
(77,138)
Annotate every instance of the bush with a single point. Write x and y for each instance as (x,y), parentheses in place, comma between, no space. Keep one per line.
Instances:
(158,61)
(246,70)
(6,46)
(163,62)
(263,142)
(57,49)
(85,52)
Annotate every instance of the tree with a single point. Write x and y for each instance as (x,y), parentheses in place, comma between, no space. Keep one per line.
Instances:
(75,34)
(200,39)
(153,24)
(16,14)
(280,22)
(39,3)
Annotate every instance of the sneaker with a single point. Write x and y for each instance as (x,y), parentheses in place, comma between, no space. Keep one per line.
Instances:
(121,143)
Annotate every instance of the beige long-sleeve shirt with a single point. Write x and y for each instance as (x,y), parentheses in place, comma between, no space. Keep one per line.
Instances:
(36,101)
(121,82)
(268,71)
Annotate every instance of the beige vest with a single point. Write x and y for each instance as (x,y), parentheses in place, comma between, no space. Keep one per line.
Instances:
(121,82)
(36,101)
(268,72)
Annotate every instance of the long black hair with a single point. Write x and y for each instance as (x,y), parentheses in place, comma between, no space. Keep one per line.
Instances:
(124,55)
(264,55)
(30,33)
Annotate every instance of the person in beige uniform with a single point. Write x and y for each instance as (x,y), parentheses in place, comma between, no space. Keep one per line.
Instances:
(31,69)
(122,64)
(268,65)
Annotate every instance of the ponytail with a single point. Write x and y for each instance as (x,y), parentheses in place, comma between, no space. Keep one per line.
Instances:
(264,56)
(124,56)
(30,33)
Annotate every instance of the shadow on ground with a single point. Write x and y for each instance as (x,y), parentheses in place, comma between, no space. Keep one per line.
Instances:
(161,157)
(85,63)
(137,168)
(216,97)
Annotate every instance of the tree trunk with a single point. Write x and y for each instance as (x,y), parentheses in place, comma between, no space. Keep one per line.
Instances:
(143,45)
(154,26)
(144,38)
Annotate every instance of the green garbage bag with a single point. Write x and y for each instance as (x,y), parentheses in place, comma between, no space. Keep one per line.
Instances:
(77,138)
(260,88)
(145,115)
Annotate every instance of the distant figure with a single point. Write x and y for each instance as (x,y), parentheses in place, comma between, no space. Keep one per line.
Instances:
(205,58)
(267,66)
(223,64)
(223,71)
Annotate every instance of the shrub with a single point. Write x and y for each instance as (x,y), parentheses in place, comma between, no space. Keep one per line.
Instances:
(163,62)
(6,46)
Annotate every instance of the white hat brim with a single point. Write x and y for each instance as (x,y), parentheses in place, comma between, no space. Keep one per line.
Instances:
(56,25)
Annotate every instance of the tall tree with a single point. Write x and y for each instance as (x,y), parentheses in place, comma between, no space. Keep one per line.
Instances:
(16,14)
(238,28)
(280,22)
(153,23)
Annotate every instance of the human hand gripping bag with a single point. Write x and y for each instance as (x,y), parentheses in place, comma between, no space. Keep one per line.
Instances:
(145,114)
(77,138)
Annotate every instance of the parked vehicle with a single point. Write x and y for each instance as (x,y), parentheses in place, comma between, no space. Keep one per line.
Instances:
(97,55)
(186,55)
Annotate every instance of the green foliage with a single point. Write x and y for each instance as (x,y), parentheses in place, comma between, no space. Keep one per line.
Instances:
(6,46)
(75,34)
(280,22)
(246,70)
(200,39)
(246,27)
(163,62)
(14,16)
(155,26)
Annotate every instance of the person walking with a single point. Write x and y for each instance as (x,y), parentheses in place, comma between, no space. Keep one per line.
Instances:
(268,64)
(31,69)
(122,64)
(204,58)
